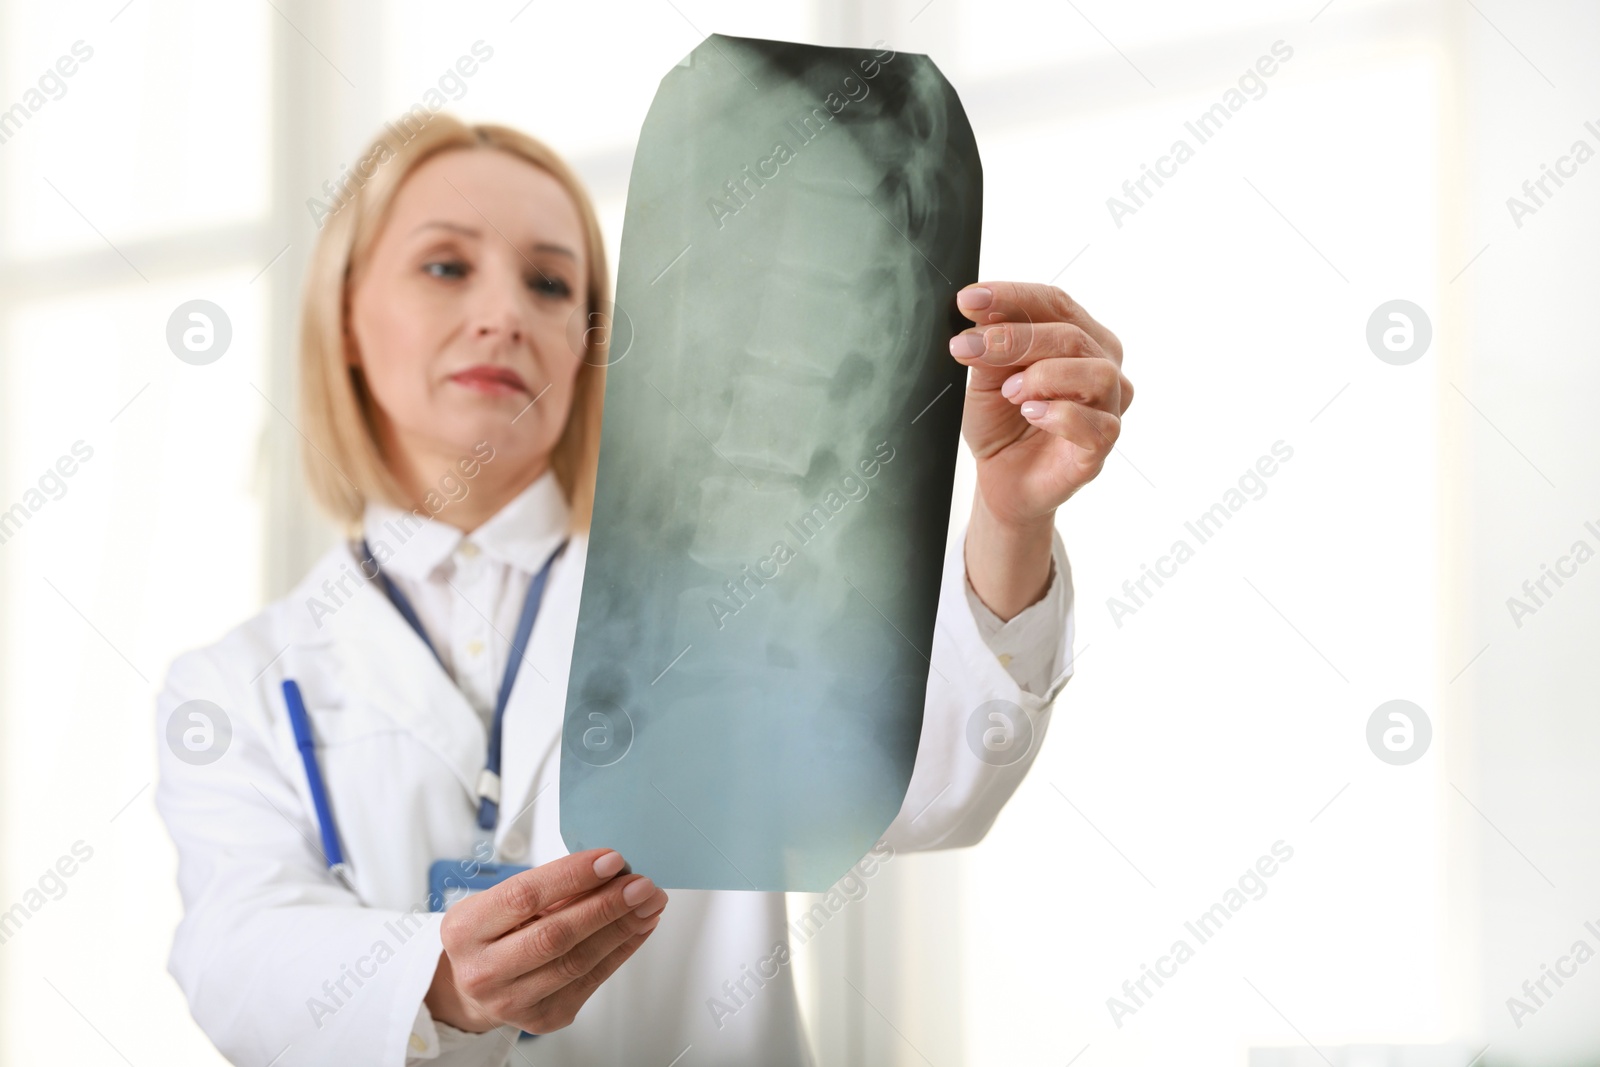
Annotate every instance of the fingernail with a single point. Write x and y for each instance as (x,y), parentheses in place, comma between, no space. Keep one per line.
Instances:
(609,864)
(974,298)
(649,909)
(651,925)
(1011,386)
(637,891)
(966,345)
(1034,409)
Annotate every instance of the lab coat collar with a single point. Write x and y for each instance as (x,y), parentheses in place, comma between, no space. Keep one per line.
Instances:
(522,534)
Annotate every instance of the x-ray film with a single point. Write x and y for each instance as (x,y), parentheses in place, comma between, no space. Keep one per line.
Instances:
(781,422)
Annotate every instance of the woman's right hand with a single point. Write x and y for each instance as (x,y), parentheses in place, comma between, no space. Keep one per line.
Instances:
(529,951)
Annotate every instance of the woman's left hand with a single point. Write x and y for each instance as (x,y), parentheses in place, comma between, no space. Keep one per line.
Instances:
(1045,399)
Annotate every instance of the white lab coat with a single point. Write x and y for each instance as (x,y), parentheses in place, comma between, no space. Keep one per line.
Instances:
(282,964)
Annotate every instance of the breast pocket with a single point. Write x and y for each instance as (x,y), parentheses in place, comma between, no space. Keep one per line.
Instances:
(337,716)
(341,725)
(396,804)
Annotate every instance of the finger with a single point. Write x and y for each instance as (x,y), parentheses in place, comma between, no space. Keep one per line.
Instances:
(1008,346)
(1095,382)
(557,1011)
(569,901)
(557,905)
(989,302)
(582,958)
(525,950)
(495,912)
(1094,432)
(505,984)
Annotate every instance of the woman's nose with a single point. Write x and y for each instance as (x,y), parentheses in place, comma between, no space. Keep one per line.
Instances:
(498,316)
(496,304)
(507,326)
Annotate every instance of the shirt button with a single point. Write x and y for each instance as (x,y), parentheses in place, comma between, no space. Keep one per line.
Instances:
(513,846)
(475,647)
(468,549)
(1005,659)
(418,1044)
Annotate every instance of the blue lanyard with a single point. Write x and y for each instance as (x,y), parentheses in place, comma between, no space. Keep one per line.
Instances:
(488,781)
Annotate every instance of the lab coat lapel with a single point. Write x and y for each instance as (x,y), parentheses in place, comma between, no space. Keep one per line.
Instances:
(530,759)
(388,665)
(532,724)
(527,735)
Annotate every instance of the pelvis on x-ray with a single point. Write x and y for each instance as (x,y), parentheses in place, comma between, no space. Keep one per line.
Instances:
(781,422)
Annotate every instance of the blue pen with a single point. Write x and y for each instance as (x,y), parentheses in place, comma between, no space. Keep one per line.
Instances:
(319,793)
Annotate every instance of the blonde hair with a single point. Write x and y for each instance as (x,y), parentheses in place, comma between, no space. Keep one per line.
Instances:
(343,462)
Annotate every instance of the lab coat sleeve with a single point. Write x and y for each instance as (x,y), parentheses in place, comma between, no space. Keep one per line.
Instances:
(280,963)
(430,1040)
(958,785)
(1029,645)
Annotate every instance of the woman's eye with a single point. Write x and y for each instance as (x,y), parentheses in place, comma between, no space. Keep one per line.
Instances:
(549,286)
(445,269)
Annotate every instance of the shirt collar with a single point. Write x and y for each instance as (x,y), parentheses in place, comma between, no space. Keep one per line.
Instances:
(522,534)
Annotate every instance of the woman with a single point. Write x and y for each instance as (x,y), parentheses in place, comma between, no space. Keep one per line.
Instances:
(449,417)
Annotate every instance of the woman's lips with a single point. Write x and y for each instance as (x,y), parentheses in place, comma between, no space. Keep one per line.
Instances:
(494,381)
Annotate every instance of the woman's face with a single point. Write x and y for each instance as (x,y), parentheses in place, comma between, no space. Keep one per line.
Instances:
(460,318)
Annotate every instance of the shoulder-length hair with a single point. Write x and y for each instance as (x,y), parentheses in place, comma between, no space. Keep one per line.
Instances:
(342,460)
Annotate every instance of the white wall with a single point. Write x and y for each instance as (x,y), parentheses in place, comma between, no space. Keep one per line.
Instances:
(1528,479)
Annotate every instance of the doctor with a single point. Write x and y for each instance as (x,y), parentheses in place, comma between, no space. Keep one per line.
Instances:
(321,758)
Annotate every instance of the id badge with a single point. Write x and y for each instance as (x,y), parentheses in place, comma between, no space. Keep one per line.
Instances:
(450,881)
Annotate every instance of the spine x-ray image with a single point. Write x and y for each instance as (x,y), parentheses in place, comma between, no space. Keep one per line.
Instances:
(781,423)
